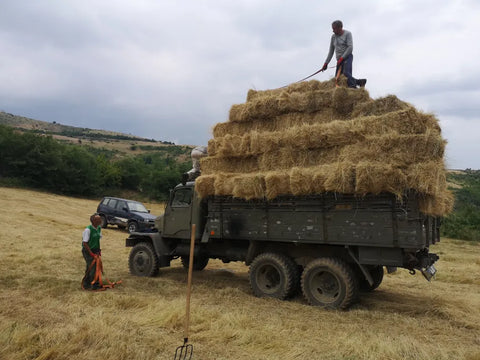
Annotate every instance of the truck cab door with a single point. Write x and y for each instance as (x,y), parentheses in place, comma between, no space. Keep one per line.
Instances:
(178,214)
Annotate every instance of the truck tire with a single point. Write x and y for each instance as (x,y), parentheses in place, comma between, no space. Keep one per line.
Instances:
(273,275)
(104,223)
(199,262)
(330,283)
(142,260)
(377,275)
(132,226)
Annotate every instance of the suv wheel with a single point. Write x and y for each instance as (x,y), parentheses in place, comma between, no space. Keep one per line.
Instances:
(132,227)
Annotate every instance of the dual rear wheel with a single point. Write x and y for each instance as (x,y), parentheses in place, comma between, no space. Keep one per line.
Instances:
(274,275)
(325,282)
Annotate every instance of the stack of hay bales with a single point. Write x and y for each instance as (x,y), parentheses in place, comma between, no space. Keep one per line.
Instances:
(313,137)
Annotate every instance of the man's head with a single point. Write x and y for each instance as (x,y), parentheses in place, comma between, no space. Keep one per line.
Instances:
(96,220)
(337,27)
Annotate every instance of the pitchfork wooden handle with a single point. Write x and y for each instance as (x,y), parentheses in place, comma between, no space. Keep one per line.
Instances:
(189,283)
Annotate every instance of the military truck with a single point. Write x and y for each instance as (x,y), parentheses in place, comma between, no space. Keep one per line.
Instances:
(331,246)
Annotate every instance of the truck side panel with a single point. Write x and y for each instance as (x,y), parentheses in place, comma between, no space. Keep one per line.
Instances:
(378,220)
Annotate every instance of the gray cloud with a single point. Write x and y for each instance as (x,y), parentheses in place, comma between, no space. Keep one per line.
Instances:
(171,70)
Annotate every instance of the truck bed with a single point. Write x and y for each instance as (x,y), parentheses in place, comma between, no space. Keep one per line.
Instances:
(373,220)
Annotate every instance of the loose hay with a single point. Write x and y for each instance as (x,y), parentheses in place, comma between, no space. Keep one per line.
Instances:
(313,137)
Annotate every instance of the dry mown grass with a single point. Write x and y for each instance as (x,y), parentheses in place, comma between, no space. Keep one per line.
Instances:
(45,315)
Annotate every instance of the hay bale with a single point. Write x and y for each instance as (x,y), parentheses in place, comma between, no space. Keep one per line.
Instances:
(405,121)
(439,205)
(205,185)
(214,164)
(345,99)
(287,158)
(250,186)
(393,148)
(312,137)
(306,181)
(277,123)
(277,183)
(380,106)
(268,107)
(428,177)
(302,87)
(224,184)
(375,178)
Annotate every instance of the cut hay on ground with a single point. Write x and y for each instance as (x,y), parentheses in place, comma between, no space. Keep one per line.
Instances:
(313,137)
(44,314)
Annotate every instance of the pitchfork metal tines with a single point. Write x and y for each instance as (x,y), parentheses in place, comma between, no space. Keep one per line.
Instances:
(184,352)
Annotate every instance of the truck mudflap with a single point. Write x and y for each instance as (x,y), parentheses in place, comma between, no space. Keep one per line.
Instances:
(424,261)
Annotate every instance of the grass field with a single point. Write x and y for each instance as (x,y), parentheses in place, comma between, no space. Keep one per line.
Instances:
(44,314)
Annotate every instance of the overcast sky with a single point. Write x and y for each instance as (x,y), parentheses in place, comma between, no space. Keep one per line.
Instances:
(170,70)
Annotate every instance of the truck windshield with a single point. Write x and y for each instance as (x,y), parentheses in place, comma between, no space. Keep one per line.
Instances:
(137,207)
(182,197)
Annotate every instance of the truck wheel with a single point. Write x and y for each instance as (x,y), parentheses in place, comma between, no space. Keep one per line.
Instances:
(132,227)
(142,260)
(377,275)
(199,262)
(329,282)
(104,223)
(273,275)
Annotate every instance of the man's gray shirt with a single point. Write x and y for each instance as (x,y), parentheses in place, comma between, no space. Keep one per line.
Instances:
(342,44)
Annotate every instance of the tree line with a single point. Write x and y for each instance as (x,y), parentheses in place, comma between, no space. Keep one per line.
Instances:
(41,162)
(464,221)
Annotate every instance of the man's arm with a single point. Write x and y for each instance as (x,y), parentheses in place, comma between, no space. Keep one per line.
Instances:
(331,50)
(85,238)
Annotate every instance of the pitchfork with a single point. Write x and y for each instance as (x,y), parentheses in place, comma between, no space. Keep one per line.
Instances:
(185,351)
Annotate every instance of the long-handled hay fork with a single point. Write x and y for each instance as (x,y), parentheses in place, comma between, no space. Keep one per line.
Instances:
(337,76)
(185,351)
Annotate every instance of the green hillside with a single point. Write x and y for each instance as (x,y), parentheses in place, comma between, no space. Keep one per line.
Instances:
(39,157)
(464,222)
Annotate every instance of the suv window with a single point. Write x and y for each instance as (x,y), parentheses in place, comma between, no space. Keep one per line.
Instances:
(112,203)
(182,197)
(121,205)
(137,207)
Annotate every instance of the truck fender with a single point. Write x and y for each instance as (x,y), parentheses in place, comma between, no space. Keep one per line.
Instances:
(159,244)
(364,270)
(161,247)
(136,238)
(252,252)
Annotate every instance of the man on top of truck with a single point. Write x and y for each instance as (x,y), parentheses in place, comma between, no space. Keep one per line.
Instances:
(342,43)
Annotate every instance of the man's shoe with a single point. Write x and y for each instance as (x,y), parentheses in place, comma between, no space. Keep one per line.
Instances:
(361,82)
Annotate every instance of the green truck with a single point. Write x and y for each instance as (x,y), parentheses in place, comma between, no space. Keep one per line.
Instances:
(331,246)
